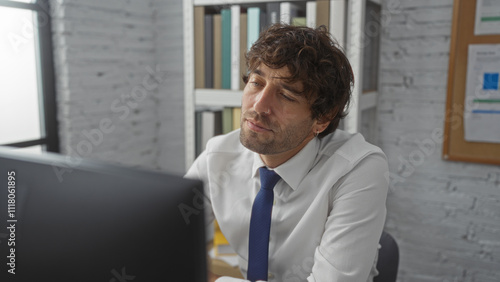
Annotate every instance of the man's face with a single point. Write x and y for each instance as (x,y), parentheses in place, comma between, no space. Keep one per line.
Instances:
(275,119)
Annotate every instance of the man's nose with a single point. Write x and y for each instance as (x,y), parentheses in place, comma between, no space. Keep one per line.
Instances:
(264,100)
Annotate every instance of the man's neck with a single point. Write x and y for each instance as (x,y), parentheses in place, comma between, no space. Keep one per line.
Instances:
(275,160)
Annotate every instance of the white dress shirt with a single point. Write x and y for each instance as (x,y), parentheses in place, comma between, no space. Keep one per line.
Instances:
(329,207)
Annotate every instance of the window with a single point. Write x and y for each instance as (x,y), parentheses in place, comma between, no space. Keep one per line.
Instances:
(27,95)
(371,50)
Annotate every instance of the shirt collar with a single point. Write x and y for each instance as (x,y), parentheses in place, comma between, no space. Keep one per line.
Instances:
(296,168)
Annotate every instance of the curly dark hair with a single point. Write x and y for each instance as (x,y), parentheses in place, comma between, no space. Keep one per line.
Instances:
(314,58)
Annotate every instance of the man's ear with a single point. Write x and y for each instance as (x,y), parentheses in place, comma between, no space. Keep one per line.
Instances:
(321,125)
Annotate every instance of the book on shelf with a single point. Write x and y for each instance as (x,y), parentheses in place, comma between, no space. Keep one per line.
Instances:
(288,11)
(253,28)
(199,47)
(197,133)
(323,13)
(217,51)
(311,14)
(227,120)
(299,21)
(209,50)
(208,123)
(226,48)
(263,19)
(236,117)
(243,47)
(235,47)
(273,13)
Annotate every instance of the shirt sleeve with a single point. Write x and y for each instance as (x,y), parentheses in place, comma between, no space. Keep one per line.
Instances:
(349,243)
(199,170)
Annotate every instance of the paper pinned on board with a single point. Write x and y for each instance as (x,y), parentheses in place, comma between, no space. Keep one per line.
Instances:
(487,19)
(482,94)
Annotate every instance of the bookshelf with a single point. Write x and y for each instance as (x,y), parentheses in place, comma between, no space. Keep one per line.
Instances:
(346,20)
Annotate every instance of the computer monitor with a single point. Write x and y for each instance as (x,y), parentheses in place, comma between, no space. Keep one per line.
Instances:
(67,219)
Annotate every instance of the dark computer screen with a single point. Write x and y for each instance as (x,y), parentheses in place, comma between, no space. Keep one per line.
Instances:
(63,219)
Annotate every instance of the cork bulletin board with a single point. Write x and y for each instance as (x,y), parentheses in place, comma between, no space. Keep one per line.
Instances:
(455,145)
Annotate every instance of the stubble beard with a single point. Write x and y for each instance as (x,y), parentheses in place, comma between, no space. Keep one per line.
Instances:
(278,142)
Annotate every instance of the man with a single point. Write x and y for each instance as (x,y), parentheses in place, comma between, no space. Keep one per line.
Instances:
(328,209)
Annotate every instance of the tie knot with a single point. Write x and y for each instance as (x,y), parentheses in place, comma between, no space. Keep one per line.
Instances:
(268,178)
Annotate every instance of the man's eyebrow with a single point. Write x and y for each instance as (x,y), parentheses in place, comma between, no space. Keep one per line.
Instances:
(257,72)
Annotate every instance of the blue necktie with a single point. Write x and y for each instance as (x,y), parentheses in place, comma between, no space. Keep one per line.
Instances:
(260,226)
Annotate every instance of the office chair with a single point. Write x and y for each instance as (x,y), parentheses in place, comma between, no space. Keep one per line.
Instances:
(388,259)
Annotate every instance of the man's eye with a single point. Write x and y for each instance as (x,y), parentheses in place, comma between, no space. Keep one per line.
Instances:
(287,97)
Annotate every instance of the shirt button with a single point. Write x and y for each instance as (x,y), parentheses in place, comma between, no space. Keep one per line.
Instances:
(270,275)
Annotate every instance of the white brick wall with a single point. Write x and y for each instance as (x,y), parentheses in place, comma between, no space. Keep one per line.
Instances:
(116,93)
(170,56)
(444,215)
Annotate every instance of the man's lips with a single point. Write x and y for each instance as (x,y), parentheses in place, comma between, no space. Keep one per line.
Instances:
(254,126)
